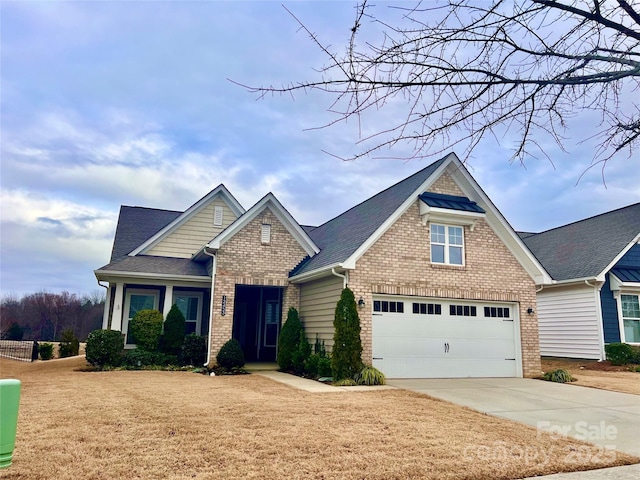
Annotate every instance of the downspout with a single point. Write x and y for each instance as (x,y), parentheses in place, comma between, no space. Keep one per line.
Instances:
(597,288)
(213,285)
(344,278)
(105,321)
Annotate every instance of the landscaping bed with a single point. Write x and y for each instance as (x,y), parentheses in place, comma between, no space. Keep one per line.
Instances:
(157,424)
(603,375)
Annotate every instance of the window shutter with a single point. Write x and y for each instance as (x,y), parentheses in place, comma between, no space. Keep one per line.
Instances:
(217,216)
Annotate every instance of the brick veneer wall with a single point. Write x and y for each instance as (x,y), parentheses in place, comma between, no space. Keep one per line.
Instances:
(399,263)
(244,260)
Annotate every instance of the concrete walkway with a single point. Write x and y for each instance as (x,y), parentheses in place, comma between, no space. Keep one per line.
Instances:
(311,385)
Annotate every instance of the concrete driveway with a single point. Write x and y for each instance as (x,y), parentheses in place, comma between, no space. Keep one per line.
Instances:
(609,419)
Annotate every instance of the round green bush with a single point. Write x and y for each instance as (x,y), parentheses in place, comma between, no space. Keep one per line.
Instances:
(619,353)
(173,331)
(230,355)
(104,348)
(146,328)
(46,351)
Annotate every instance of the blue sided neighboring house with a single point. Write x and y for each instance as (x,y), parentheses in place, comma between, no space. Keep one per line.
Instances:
(595,297)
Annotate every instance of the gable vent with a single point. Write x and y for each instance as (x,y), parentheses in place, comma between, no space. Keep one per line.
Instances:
(217,216)
(266,234)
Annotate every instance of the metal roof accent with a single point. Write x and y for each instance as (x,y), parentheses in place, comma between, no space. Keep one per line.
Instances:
(627,275)
(450,202)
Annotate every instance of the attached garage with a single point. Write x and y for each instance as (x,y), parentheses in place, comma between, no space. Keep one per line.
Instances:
(416,337)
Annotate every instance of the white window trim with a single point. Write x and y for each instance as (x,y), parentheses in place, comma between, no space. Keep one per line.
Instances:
(620,317)
(197,295)
(127,305)
(447,245)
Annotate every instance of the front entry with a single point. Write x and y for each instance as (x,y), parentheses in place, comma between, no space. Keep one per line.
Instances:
(256,321)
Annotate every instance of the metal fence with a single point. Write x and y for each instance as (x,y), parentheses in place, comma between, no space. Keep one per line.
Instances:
(26,351)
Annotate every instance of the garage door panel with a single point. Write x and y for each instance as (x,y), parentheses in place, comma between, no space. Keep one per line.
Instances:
(413,345)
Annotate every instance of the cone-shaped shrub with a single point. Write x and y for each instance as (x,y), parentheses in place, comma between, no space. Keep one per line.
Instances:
(289,340)
(173,331)
(346,357)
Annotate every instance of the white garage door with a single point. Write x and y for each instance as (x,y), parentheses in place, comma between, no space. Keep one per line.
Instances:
(436,338)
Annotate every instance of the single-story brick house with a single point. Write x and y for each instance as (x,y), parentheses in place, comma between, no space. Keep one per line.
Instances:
(445,286)
(595,296)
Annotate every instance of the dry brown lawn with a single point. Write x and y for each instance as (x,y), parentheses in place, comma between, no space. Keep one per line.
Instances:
(156,425)
(591,373)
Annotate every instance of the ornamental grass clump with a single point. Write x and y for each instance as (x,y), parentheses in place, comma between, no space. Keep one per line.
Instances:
(559,376)
(370,376)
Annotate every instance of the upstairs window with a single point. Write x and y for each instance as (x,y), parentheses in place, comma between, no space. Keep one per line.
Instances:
(447,244)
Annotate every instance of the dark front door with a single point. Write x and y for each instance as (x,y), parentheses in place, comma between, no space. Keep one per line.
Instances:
(256,321)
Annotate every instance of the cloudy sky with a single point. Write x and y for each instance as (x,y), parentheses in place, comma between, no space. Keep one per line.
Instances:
(110,103)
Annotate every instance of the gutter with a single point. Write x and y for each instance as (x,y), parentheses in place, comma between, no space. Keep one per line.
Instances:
(213,286)
(345,280)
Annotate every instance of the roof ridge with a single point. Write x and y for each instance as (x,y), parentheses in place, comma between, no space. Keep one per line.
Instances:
(152,208)
(609,212)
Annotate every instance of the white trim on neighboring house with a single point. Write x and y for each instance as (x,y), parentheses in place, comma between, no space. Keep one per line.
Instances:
(271,202)
(601,276)
(220,191)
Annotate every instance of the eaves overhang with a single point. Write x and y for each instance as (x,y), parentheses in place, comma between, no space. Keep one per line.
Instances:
(151,278)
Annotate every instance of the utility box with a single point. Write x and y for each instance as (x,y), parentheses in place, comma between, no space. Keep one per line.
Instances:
(9,402)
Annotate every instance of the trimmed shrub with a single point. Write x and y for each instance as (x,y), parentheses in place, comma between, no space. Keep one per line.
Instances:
(346,357)
(636,354)
(619,353)
(194,350)
(173,337)
(230,355)
(46,351)
(69,345)
(318,365)
(301,354)
(370,376)
(559,376)
(139,358)
(289,339)
(104,348)
(146,327)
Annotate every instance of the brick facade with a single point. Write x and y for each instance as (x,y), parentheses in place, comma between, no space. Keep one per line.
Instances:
(245,260)
(399,263)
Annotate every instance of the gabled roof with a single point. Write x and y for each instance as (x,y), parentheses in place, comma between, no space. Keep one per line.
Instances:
(271,202)
(137,224)
(587,248)
(344,239)
(219,191)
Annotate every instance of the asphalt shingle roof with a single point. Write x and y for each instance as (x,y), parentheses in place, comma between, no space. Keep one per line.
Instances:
(585,248)
(159,265)
(137,224)
(339,238)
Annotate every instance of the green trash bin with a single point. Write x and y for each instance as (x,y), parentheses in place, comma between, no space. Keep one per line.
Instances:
(9,401)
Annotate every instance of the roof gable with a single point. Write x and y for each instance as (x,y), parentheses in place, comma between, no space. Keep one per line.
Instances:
(347,237)
(270,202)
(220,192)
(587,248)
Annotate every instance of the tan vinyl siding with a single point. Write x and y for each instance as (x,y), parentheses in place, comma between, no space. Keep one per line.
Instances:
(569,322)
(189,237)
(318,301)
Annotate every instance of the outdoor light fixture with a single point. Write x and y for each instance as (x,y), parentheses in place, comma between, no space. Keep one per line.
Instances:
(361,302)
(530,310)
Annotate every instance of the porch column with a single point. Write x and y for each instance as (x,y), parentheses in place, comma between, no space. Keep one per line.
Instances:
(168,300)
(118,307)
(105,314)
